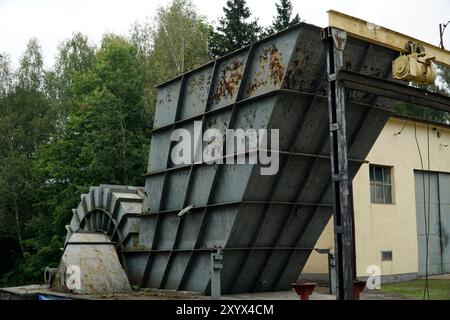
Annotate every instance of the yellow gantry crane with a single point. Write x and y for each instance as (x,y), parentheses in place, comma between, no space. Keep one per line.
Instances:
(415,62)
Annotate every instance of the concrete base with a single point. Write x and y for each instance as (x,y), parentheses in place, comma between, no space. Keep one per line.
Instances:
(438,277)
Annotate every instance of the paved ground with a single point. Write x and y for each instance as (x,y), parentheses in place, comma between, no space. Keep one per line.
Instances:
(320,293)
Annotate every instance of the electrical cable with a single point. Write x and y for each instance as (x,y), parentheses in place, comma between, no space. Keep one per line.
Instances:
(424,209)
(429,203)
(403,128)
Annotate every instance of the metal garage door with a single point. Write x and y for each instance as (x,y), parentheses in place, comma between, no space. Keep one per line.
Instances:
(436,186)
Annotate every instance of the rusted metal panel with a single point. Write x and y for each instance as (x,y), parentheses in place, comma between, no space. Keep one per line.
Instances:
(166,104)
(196,93)
(228,81)
(269,64)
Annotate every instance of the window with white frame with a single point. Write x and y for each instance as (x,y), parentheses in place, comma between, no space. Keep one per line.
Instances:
(380,184)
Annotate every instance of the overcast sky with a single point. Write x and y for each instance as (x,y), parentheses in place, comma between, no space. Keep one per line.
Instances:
(52,21)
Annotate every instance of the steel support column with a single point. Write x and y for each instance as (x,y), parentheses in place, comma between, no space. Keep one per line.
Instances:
(343,234)
(216,266)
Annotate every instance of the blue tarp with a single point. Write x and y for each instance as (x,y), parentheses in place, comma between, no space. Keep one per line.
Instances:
(50,297)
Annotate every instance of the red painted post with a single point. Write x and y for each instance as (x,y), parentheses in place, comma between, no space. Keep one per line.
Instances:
(304,290)
(358,286)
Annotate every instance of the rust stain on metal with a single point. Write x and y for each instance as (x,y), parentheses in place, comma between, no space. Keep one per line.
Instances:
(229,80)
(169,96)
(167,99)
(270,59)
(298,77)
(276,65)
(197,84)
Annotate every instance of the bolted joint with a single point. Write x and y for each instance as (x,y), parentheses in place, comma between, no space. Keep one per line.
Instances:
(334,127)
(217,266)
(332,77)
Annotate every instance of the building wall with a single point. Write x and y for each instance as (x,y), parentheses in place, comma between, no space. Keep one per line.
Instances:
(389,226)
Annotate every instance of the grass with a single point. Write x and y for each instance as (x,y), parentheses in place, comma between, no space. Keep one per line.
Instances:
(439,289)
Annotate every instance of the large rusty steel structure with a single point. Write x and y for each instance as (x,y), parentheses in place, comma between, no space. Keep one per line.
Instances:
(196,226)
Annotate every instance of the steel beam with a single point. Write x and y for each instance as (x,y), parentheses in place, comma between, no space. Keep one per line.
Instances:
(394,90)
(212,250)
(379,35)
(288,154)
(336,40)
(216,266)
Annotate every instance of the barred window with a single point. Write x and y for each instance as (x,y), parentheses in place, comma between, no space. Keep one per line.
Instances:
(380,184)
(386,255)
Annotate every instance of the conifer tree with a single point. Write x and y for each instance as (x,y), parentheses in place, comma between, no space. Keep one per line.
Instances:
(235,30)
(283,19)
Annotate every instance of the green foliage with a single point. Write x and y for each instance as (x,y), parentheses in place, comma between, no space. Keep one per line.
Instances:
(31,71)
(75,57)
(443,87)
(234,30)
(17,190)
(26,121)
(105,140)
(86,121)
(83,123)
(421,112)
(178,42)
(5,74)
(283,19)
(109,127)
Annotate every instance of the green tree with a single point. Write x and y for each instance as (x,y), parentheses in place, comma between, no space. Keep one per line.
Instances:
(417,111)
(111,115)
(26,116)
(234,30)
(283,19)
(74,58)
(6,74)
(104,140)
(176,43)
(180,40)
(26,121)
(84,122)
(141,35)
(441,86)
(30,75)
(17,189)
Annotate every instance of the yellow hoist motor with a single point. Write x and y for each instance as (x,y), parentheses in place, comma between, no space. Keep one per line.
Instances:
(415,66)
